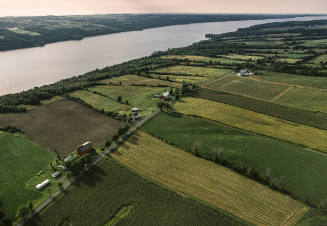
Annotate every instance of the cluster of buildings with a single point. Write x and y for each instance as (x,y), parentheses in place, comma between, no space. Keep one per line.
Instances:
(244,72)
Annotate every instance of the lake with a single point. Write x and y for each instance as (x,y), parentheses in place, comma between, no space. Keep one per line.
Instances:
(27,68)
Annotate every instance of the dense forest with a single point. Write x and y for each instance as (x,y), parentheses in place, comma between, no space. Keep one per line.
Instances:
(23,32)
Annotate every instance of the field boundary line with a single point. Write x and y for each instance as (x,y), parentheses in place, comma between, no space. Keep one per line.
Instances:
(207,82)
(258,78)
(281,93)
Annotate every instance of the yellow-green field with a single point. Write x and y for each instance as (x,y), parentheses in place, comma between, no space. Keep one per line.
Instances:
(288,60)
(192,70)
(203,59)
(305,98)
(254,122)
(137,96)
(139,80)
(319,59)
(208,182)
(99,102)
(180,78)
(43,102)
(247,87)
(243,57)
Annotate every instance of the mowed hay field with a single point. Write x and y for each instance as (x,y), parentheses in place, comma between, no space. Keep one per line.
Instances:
(63,125)
(20,160)
(193,70)
(99,197)
(208,182)
(305,98)
(254,122)
(248,87)
(99,102)
(137,96)
(283,161)
(128,80)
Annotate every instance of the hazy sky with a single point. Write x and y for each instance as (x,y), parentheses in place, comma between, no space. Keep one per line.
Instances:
(64,7)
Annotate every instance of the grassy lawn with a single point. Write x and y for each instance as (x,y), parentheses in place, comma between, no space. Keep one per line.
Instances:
(63,125)
(305,98)
(265,154)
(113,194)
(137,96)
(99,102)
(248,87)
(208,182)
(254,122)
(319,82)
(192,70)
(20,160)
(204,59)
(128,80)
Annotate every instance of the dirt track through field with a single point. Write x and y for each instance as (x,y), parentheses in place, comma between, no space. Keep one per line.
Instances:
(281,94)
(208,182)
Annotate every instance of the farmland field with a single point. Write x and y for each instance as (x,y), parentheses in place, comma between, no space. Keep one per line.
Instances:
(208,182)
(128,80)
(318,82)
(204,59)
(279,159)
(100,195)
(20,160)
(309,118)
(192,70)
(254,122)
(305,98)
(180,78)
(319,59)
(287,60)
(63,125)
(248,87)
(243,57)
(137,96)
(99,102)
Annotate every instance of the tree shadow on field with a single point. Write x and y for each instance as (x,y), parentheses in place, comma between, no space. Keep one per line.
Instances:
(134,139)
(92,177)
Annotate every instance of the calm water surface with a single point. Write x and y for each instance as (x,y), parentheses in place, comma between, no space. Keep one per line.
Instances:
(27,68)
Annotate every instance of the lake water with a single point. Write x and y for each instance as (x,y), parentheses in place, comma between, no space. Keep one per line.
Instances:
(27,68)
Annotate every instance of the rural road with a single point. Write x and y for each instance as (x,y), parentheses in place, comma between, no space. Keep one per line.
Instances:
(67,185)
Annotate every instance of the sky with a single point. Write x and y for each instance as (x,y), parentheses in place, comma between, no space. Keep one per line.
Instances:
(72,7)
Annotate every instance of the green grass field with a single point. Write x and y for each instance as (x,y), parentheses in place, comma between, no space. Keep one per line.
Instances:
(180,78)
(279,158)
(100,197)
(305,98)
(217,59)
(318,82)
(20,160)
(309,118)
(192,70)
(248,87)
(99,102)
(243,57)
(139,97)
(139,80)
(255,122)
(287,60)
(319,59)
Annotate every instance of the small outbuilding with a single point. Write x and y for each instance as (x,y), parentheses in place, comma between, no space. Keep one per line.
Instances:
(165,95)
(43,184)
(56,174)
(84,148)
(135,110)
(244,73)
